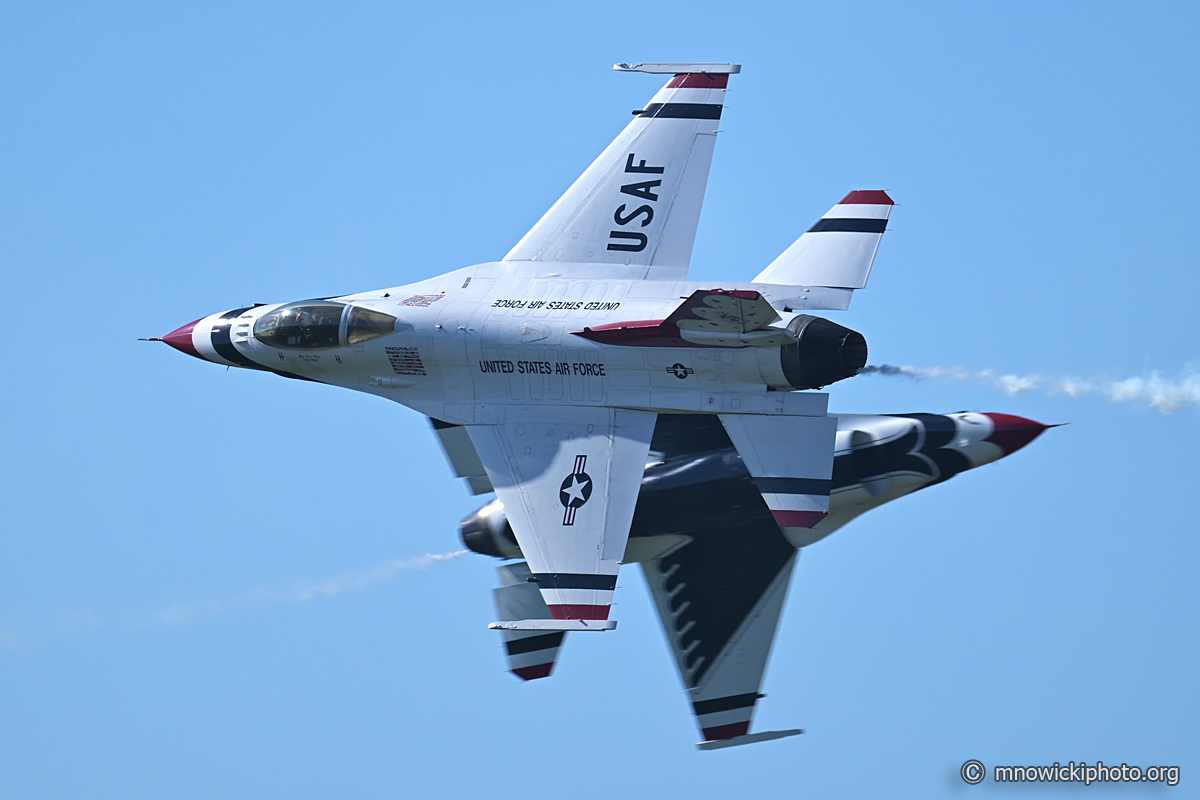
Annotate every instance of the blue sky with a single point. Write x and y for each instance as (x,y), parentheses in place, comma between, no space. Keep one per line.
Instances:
(199,587)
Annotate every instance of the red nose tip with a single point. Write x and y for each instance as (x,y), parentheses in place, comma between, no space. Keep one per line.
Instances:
(1011,433)
(181,340)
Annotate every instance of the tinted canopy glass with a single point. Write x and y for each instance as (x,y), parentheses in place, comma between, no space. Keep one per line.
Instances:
(307,325)
(366,324)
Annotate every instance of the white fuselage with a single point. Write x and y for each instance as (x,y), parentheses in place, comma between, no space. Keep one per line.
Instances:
(502,334)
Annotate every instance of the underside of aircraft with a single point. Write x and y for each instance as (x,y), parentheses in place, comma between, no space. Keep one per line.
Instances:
(717,564)
(622,413)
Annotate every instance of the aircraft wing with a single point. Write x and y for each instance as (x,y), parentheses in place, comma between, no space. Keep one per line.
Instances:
(568,477)
(719,597)
(639,202)
(531,654)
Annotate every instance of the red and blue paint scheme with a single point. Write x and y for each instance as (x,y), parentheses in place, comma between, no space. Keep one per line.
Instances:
(716,557)
(552,372)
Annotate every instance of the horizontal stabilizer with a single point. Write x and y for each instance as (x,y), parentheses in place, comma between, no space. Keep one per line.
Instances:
(839,250)
(791,460)
(749,738)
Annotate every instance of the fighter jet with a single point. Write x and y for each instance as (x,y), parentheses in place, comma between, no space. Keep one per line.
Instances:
(552,371)
(717,563)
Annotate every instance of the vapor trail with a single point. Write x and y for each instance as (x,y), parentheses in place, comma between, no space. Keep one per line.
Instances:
(301,591)
(1167,395)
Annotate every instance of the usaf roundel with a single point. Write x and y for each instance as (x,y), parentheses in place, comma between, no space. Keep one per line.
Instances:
(575,490)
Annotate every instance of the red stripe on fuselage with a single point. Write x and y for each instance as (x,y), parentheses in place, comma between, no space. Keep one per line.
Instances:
(637,333)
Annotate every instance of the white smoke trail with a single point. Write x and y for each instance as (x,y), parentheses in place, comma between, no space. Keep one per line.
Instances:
(299,592)
(1166,395)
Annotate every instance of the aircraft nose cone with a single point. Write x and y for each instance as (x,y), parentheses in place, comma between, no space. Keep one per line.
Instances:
(1011,433)
(181,340)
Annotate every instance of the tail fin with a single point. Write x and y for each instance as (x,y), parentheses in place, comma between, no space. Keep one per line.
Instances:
(639,202)
(838,251)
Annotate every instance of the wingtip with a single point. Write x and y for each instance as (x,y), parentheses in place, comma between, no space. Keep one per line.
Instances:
(534,672)
(867,197)
(679,68)
(749,738)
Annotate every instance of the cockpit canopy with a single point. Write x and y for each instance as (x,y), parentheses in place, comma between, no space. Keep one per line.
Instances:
(320,325)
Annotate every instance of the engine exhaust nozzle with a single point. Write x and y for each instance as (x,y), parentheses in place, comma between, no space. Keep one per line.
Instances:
(824,352)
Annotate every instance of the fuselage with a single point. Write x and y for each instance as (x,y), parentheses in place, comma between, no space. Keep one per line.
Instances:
(697,484)
(468,345)
(585,363)
(455,346)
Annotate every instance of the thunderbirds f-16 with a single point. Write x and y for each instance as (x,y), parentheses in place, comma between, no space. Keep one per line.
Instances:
(621,413)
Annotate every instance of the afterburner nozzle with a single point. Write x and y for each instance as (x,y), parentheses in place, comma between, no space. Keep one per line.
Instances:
(824,353)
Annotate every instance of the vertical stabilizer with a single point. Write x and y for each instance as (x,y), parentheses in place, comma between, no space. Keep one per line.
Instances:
(839,250)
(639,202)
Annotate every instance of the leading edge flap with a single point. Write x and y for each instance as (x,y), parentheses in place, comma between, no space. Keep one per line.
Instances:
(569,478)
(639,202)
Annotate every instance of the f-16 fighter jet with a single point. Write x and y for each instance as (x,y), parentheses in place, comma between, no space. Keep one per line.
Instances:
(548,371)
(717,562)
